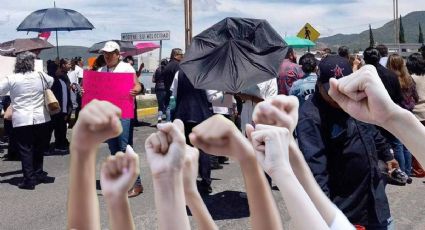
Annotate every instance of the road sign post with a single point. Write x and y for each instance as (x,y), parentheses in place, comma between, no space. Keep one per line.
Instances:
(308,32)
(147,36)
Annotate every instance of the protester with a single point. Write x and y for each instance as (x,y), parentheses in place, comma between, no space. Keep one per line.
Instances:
(160,90)
(253,95)
(383,52)
(98,63)
(61,90)
(170,71)
(364,97)
(76,78)
(99,121)
(416,66)
(390,80)
(192,107)
(343,153)
(396,64)
(111,53)
(304,87)
(343,51)
(282,111)
(29,116)
(289,72)
(220,137)
(355,62)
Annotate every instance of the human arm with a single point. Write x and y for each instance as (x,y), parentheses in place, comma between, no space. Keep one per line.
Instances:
(363,95)
(271,146)
(98,121)
(117,176)
(175,84)
(282,111)
(137,88)
(139,72)
(165,152)
(193,198)
(384,151)
(219,136)
(4,86)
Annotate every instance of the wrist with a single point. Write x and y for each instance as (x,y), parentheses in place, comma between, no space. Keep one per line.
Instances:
(115,198)
(396,115)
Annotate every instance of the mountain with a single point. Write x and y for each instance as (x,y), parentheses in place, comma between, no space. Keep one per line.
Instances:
(66,52)
(384,34)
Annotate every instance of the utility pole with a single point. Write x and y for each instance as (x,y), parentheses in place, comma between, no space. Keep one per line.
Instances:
(396,23)
(188,22)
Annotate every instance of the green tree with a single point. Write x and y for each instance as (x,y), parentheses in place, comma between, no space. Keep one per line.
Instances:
(371,40)
(401,32)
(421,35)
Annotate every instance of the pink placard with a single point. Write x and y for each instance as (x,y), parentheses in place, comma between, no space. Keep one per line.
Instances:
(112,87)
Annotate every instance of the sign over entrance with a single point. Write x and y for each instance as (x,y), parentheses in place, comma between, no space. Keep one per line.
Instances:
(308,32)
(146,36)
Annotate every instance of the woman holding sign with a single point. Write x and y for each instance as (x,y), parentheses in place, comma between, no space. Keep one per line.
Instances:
(29,116)
(111,52)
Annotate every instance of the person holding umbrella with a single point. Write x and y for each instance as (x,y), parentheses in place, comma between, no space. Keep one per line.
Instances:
(111,52)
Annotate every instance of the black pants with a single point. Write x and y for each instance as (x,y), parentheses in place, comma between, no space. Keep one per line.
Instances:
(59,126)
(204,158)
(31,141)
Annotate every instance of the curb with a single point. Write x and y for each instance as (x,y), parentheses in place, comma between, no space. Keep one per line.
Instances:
(147,112)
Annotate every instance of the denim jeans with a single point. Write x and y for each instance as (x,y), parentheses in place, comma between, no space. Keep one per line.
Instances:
(120,143)
(160,97)
(402,155)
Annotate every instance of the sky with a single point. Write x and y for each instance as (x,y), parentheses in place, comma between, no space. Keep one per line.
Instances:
(113,17)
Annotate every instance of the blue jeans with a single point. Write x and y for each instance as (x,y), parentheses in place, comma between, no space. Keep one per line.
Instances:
(161,95)
(402,155)
(120,143)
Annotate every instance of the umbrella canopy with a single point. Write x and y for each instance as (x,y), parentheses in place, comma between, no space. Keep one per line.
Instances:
(234,54)
(55,19)
(125,46)
(297,42)
(141,48)
(11,48)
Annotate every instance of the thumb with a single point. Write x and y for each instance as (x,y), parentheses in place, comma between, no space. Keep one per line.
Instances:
(173,131)
(249,129)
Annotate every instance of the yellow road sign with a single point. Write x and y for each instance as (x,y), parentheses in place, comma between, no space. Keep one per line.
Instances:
(308,32)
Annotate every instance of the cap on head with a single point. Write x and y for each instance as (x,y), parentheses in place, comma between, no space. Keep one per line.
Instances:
(333,66)
(110,46)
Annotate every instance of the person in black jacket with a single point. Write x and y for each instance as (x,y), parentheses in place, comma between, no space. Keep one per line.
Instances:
(343,152)
(170,70)
(192,107)
(392,84)
(61,90)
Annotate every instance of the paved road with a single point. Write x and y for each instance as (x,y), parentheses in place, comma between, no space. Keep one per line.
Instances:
(45,207)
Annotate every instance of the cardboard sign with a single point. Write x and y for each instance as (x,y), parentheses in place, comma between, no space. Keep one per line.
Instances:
(7,66)
(112,87)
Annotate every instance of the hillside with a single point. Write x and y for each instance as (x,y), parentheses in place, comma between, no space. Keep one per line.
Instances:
(384,34)
(66,52)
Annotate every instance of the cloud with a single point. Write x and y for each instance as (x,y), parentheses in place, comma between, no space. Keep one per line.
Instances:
(111,17)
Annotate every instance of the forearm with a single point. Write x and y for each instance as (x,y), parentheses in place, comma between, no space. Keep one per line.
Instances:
(83,206)
(295,197)
(407,128)
(170,201)
(119,212)
(263,209)
(200,212)
(306,179)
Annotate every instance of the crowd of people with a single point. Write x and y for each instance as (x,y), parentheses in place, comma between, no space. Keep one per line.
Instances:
(330,131)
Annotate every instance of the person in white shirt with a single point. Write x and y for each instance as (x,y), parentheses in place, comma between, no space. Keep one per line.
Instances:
(30,116)
(111,52)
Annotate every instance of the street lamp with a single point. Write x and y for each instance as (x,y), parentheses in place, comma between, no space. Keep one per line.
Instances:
(396,22)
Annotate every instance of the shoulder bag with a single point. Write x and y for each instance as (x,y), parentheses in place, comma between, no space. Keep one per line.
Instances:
(50,100)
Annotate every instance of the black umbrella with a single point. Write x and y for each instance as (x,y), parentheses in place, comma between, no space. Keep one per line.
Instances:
(11,48)
(125,46)
(234,54)
(55,19)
